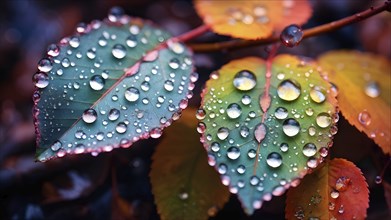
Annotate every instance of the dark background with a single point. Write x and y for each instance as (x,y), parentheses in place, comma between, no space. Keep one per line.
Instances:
(82,187)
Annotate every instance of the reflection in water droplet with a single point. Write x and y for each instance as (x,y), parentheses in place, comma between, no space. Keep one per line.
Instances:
(222,169)
(53,50)
(233,153)
(118,51)
(215,147)
(318,94)
(132,94)
(312,162)
(174,63)
(251,153)
(222,133)
(372,89)
(289,90)
(121,128)
(323,120)
(89,116)
(234,111)
(45,65)
(309,150)
(281,113)
(246,99)
(200,114)
(284,147)
(244,80)
(56,146)
(40,80)
(364,118)
(291,127)
(168,85)
(274,160)
(113,114)
(291,35)
(156,133)
(131,41)
(97,82)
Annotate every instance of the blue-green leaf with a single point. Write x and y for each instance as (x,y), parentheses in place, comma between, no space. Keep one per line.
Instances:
(111,84)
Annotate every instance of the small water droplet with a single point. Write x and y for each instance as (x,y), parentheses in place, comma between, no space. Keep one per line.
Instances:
(201,127)
(200,114)
(234,111)
(284,147)
(289,90)
(215,147)
(378,179)
(281,113)
(331,206)
(323,120)
(97,82)
(65,62)
(372,89)
(102,41)
(309,111)
(45,65)
(74,42)
(131,41)
(244,131)
(291,127)
(113,114)
(56,146)
(241,169)
(245,80)
(183,195)
(40,80)
(246,99)
(274,160)
(91,54)
(89,116)
(233,153)
(222,133)
(312,162)
(318,94)
(341,210)
(115,14)
(156,132)
(364,118)
(118,51)
(121,127)
(342,183)
(251,153)
(174,63)
(309,150)
(291,35)
(222,169)
(212,211)
(168,85)
(53,50)
(132,94)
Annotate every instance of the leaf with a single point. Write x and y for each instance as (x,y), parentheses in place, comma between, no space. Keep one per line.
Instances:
(337,190)
(387,193)
(364,91)
(124,78)
(185,187)
(256,165)
(252,19)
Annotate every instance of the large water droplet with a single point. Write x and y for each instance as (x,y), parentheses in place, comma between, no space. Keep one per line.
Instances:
(372,89)
(289,90)
(121,127)
(309,150)
(89,116)
(113,114)
(234,111)
(132,94)
(115,14)
(244,131)
(233,153)
(245,80)
(40,80)
(342,183)
(274,160)
(364,118)
(222,133)
(323,120)
(53,50)
(45,65)
(318,94)
(281,113)
(291,127)
(291,35)
(97,82)
(118,51)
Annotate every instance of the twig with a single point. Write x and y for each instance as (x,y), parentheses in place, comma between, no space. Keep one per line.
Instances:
(236,44)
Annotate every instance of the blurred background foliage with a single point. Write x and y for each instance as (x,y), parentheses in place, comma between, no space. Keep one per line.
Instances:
(116,185)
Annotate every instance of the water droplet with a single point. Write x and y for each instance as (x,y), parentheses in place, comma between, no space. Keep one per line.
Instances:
(176,47)
(222,133)
(56,146)
(331,206)
(121,127)
(118,51)
(284,147)
(40,80)
(289,90)
(183,195)
(97,82)
(222,169)
(341,210)
(233,153)
(45,65)
(372,89)
(234,111)
(145,86)
(246,99)
(212,211)
(241,169)
(201,127)
(245,80)
(291,35)
(100,136)
(364,118)
(168,85)
(309,150)
(174,63)
(215,147)
(115,14)
(274,160)
(318,94)
(281,113)
(291,127)
(309,111)
(244,131)
(257,204)
(132,94)
(323,151)
(53,50)
(91,54)
(312,162)
(102,41)
(156,132)
(74,42)
(200,114)
(342,183)
(323,120)
(113,114)
(89,116)
(378,179)
(311,131)
(65,62)
(251,153)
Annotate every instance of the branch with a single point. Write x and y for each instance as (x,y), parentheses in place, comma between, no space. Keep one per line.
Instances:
(236,44)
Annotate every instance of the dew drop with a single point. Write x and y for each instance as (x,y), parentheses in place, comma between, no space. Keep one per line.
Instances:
(222,169)
(291,127)
(289,90)
(323,151)
(131,41)
(40,80)
(102,41)
(115,14)
(91,54)
(312,162)
(274,160)
(183,195)
(200,114)
(244,131)
(74,42)
(45,65)
(233,153)
(342,183)
(222,133)
(251,153)
(100,136)
(309,111)
(234,111)
(241,169)
(311,131)
(309,150)
(291,35)
(121,127)
(118,51)
(281,113)
(53,50)
(334,194)
(323,120)
(364,118)
(245,80)
(65,62)
(174,63)
(215,147)
(378,179)
(156,133)
(97,82)
(56,146)
(89,116)
(201,127)
(284,147)
(246,99)
(113,114)
(132,94)
(318,94)
(168,85)
(372,89)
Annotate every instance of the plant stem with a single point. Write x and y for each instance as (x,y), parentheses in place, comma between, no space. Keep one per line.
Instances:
(192,34)
(236,44)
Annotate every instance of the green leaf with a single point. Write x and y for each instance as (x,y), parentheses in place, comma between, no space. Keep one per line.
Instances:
(185,187)
(126,71)
(262,154)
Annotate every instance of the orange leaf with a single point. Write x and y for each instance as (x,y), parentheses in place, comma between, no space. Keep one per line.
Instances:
(337,190)
(252,19)
(364,84)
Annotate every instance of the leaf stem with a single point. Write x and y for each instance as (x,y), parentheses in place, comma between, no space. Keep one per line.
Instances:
(192,33)
(236,44)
